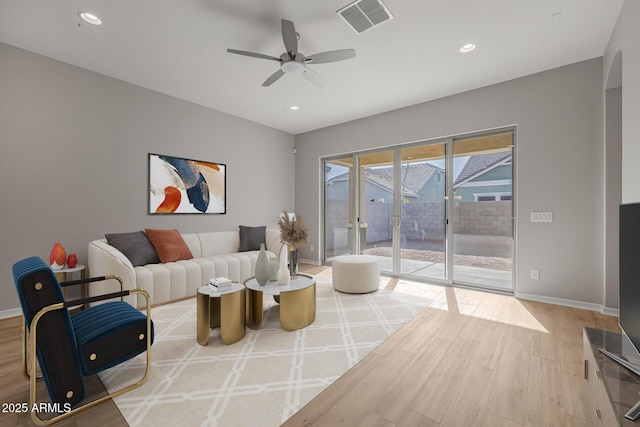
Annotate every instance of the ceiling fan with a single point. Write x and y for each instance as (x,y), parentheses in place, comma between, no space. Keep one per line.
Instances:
(294,62)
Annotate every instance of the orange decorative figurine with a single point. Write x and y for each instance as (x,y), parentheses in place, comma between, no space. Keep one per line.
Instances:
(57,257)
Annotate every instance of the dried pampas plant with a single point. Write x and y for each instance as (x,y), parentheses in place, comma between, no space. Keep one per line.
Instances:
(293,232)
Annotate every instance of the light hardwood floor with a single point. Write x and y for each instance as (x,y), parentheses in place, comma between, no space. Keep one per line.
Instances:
(470,359)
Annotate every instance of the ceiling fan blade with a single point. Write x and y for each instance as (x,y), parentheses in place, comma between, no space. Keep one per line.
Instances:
(315,78)
(331,56)
(290,38)
(253,54)
(273,78)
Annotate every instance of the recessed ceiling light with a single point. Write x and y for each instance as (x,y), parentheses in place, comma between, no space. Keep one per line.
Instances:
(90,18)
(294,108)
(467,48)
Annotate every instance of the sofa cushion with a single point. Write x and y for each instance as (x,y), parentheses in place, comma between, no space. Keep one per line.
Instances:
(169,245)
(219,243)
(111,331)
(252,237)
(135,246)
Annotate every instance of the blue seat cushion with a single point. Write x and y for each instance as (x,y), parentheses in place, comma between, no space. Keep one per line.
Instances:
(109,334)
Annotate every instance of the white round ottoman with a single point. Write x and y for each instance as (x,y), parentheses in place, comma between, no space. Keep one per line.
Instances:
(355,274)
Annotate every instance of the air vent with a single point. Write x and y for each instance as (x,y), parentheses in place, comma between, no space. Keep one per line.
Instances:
(363,15)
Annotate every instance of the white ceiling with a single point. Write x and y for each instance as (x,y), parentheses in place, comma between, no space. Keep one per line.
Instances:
(179,48)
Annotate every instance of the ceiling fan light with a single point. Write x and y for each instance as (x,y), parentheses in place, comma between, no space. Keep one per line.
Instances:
(90,18)
(292,67)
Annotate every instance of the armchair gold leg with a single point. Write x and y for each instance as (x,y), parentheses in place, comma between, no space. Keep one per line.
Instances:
(25,355)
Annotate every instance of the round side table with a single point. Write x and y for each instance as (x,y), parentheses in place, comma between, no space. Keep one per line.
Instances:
(224,309)
(66,274)
(297,302)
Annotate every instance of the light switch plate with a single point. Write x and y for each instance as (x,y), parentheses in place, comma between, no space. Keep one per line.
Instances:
(541,216)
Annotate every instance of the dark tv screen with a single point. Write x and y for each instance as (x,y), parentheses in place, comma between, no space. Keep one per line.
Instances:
(630,272)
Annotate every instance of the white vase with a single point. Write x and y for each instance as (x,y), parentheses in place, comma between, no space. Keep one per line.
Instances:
(274,267)
(283,274)
(262,267)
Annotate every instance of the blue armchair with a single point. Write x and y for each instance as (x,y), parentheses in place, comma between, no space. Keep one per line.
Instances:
(70,347)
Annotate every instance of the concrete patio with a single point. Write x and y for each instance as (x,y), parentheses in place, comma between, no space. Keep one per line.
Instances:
(489,278)
(478,260)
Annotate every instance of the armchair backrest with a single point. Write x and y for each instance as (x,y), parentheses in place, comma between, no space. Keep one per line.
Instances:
(57,350)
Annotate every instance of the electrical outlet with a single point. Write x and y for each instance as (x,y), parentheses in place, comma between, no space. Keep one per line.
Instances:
(311,247)
(535,274)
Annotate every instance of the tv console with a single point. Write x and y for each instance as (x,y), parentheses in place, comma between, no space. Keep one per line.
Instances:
(612,390)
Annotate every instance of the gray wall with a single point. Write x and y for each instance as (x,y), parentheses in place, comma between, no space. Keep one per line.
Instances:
(558,161)
(626,39)
(612,195)
(74,160)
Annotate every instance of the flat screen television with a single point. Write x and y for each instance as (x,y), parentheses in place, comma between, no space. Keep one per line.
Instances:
(630,278)
(629,294)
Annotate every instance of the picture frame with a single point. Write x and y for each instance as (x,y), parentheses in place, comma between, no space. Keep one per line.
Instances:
(179,185)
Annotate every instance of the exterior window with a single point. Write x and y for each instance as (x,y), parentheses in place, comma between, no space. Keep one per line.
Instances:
(490,197)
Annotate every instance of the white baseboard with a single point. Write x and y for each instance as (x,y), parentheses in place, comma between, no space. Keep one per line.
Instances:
(610,311)
(310,261)
(13,312)
(568,303)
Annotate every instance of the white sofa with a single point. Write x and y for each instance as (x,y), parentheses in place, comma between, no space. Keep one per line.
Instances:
(215,254)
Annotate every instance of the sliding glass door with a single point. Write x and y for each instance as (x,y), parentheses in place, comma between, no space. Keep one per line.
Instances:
(359,206)
(339,207)
(483,211)
(423,230)
(439,210)
(376,208)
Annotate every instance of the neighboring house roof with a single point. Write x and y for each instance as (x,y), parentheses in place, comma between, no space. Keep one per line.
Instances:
(479,164)
(341,177)
(414,177)
(382,179)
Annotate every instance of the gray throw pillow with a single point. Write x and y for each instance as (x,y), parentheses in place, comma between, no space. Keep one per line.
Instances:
(251,237)
(135,246)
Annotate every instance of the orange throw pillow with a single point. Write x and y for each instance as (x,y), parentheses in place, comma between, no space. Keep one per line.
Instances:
(169,245)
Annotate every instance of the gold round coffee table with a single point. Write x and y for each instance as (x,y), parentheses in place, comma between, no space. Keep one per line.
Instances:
(224,309)
(297,302)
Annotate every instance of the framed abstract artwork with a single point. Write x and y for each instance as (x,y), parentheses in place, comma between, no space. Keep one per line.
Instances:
(186,186)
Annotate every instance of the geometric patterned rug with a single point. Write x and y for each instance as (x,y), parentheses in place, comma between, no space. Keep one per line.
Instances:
(266,377)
